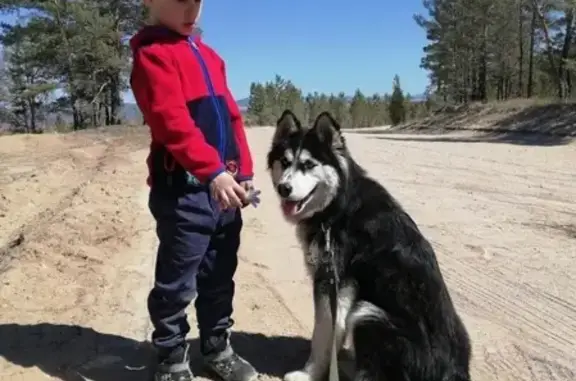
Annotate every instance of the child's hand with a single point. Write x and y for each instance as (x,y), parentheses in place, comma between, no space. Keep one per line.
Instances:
(252,193)
(228,192)
(248,185)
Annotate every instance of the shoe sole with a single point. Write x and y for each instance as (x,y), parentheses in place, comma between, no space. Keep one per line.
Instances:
(209,370)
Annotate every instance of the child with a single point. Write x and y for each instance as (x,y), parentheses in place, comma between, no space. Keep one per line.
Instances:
(200,173)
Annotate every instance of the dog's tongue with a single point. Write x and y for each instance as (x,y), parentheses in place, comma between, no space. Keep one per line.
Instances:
(289,207)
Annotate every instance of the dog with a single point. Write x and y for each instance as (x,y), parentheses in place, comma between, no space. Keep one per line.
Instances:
(392,300)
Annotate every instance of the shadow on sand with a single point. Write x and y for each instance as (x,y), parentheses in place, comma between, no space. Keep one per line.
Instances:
(539,125)
(516,138)
(73,353)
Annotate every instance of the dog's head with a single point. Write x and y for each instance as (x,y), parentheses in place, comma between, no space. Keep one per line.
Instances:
(307,164)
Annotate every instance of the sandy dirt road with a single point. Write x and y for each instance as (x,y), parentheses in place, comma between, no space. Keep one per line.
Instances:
(77,254)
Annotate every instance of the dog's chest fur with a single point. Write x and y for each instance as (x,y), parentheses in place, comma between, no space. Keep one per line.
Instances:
(313,244)
(312,248)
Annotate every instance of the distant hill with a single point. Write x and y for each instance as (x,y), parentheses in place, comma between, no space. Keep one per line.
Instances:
(130,111)
(243,103)
(418,98)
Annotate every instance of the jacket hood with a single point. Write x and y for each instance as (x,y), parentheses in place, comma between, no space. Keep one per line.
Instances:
(155,33)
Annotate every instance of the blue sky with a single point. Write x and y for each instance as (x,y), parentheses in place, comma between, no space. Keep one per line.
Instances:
(321,45)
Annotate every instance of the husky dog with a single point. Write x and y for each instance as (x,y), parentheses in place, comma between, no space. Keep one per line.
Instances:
(392,299)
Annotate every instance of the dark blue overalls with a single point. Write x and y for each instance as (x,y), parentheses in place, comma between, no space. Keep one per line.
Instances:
(197,253)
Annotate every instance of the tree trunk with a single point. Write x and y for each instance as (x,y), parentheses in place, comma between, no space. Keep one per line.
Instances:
(550,50)
(562,72)
(520,92)
(115,99)
(32,107)
(530,90)
(70,64)
(483,70)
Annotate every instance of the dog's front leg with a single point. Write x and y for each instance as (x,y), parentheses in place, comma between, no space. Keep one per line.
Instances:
(321,346)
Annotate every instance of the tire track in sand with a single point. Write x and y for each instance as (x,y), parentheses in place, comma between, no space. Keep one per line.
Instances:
(74,297)
(75,293)
(55,180)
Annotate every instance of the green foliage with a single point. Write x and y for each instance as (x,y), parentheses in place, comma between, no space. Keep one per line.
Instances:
(480,50)
(76,47)
(396,107)
(268,100)
(70,58)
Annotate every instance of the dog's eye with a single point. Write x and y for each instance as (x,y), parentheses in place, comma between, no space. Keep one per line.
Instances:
(285,162)
(308,164)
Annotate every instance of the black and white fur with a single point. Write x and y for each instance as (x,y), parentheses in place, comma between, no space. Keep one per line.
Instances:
(393,301)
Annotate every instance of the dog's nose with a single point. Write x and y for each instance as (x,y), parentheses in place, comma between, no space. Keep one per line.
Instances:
(284,189)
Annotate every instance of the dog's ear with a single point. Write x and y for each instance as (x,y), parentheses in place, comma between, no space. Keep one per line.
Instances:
(328,130)
(287,124)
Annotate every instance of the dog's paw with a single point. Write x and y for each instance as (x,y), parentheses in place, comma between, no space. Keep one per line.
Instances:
(297,375)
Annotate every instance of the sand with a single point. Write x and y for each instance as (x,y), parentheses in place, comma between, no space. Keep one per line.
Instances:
(77,248)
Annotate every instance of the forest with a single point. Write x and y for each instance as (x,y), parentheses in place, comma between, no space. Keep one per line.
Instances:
(68,62)
(477,51)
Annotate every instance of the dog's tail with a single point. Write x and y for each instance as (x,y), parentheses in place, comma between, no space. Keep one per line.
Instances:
(366,313)
(368,323)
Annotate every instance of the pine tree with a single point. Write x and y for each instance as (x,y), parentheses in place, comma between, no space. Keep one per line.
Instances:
(359,109)
(397,108)
(78,47)
(257,102)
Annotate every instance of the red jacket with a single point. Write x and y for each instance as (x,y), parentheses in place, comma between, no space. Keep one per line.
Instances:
(180,86)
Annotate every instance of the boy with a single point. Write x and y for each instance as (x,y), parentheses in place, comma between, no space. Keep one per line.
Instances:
(200,172)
